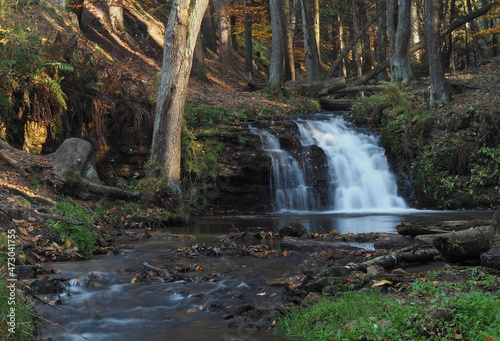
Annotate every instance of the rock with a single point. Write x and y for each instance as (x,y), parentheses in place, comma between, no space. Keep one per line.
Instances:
(293,230)
(375,271)
(49,286)
(295,282)
(74,158)
(26,271)
(491,259)
(312,297)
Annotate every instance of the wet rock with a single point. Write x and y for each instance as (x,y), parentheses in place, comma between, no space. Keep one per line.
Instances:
(318,284)
(295,282)
(293,230)
(49,286)
(336,271)
(26,271)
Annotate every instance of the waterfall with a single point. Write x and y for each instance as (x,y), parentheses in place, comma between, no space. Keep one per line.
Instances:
(358,177)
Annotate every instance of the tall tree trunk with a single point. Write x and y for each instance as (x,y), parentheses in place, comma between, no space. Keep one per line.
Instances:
(382,40)
(278,47)
(448,46)
(312,55)
(116,14)
(180,39)
(317,27)
(209,31)
(400,62)
(289,58)
(346,50)
(357,48)
(248,42)
(199,69)
(439,91)
(415,29)
(337,39)
(295,10)
(224,26)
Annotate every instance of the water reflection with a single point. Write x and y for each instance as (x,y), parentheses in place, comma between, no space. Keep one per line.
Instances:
(327,222)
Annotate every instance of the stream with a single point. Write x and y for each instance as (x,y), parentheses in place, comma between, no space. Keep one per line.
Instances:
(104,304)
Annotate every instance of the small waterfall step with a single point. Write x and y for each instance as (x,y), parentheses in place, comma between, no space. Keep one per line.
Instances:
(358,174)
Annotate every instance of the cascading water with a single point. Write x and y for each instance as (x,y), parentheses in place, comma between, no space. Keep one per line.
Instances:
(287,183)
(358,174)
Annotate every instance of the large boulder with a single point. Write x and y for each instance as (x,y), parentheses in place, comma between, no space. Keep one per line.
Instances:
(75,159)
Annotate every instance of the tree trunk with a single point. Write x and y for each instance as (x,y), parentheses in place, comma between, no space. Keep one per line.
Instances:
(421,44)
(199,70)
(415,30)
(289,58)
(317,28)
(180,39)
(208,31)
(224,26)
(337,40)
(346,50)
(298,244)
(419,228)
(278,47)
(357,48)
(248,42)
(293,19)
(382,40)
(400,61)
(439,91)
(116,14)
(312,50)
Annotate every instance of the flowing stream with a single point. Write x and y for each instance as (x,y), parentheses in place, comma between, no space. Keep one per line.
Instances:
(358,175)
(105,305)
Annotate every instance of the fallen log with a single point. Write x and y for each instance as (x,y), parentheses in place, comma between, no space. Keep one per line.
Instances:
(355,89)
(395,259)
(317,89)
(335,104)
(299,244)
(425,227)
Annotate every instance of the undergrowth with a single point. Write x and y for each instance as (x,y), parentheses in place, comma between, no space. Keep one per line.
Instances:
(430,310)
(453,158)
(82,235)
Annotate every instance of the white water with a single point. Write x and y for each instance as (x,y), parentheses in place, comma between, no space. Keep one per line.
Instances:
(287,184)
(359,177)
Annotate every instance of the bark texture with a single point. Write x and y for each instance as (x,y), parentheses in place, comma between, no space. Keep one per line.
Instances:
(278,47)
(439,92)
(180,40)
(400,61)
(224,26)
(310,45)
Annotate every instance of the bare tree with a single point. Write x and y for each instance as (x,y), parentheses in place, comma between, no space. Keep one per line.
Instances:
(310,43)
(399,30)
(224,26)
(278,47)
(180,39)
(439,91)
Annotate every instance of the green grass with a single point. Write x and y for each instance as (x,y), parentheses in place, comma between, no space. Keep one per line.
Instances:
(369,315)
